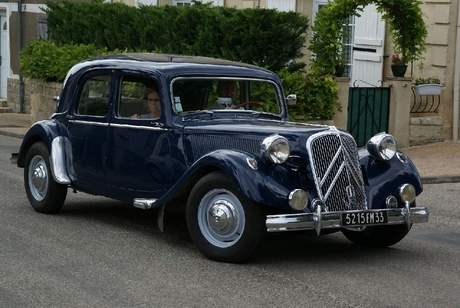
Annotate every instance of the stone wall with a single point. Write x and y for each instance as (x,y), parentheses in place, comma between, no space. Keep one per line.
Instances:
(424,130)
(38,97)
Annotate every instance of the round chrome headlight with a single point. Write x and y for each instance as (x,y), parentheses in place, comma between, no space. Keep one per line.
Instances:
(382,146)
(275,148)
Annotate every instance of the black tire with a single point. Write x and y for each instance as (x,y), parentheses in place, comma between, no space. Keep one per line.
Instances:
(44,193)
(240,229)
(382,236)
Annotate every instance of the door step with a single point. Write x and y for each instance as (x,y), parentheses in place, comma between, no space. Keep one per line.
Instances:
(4,106)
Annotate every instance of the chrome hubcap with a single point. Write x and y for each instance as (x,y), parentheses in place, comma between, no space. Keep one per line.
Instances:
(223,217)
(38,178)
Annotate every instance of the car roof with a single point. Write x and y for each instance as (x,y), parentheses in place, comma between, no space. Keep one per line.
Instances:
(170,65)
(164,58)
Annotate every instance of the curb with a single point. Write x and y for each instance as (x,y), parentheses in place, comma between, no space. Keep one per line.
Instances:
(12,134)
(442,179)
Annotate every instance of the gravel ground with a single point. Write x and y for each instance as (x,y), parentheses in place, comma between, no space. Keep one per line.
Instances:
(436,159)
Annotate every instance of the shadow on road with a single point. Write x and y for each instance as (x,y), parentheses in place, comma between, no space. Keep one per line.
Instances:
(278,247)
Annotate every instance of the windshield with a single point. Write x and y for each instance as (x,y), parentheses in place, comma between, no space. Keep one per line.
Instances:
(192,95)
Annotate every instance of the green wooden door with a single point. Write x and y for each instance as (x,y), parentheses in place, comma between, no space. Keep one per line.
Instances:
(368,112)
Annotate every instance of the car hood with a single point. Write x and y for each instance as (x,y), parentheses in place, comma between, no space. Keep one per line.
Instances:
(205,137)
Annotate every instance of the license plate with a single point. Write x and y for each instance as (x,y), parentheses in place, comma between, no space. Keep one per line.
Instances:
(364,218)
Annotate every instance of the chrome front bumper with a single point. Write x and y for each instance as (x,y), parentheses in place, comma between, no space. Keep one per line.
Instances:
(332,220)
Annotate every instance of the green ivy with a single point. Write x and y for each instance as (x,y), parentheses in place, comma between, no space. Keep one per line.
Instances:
(406,27)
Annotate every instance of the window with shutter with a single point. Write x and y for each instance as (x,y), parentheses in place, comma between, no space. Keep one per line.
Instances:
(281,5)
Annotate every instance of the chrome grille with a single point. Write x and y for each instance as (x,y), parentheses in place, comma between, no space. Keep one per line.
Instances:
(336,171)
(204,144)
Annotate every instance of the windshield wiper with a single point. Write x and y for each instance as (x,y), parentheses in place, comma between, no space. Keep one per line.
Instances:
(265,114)
(195,112)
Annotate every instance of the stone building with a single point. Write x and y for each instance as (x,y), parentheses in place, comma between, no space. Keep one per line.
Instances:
(369,51)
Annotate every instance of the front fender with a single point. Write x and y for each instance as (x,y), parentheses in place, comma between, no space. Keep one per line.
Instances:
(383,178)
(54,137)
(267,184)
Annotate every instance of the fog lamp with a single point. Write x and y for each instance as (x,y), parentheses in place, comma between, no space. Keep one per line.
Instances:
(298,199)
(407,193)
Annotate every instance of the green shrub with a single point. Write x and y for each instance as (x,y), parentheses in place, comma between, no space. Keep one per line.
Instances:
(268,38)
(317,94)
(45,60)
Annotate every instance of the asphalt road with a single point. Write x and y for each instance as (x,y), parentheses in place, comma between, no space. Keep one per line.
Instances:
(98,252)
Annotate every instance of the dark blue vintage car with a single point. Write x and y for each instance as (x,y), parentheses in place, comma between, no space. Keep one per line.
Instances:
(215,137)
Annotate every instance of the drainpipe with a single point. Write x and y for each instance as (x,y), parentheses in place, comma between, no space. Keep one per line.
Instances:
(456,79)
(21,81)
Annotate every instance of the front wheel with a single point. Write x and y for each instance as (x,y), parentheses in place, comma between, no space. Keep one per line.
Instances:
(44,193)
(381,236)
(224,224)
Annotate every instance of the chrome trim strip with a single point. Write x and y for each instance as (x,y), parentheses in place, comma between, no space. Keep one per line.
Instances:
(143,203)
(58,160)
(89,122)
(155,128)
(332,220)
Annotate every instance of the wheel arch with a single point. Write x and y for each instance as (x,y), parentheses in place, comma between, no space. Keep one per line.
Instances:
(385,177)
(259,184)
(58,145)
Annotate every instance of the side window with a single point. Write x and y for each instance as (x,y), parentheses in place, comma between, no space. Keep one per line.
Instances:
(139,98)
(94,99)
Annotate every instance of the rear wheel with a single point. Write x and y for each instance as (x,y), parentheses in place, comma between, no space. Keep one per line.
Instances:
(382,236)
(224,224)
(44,193)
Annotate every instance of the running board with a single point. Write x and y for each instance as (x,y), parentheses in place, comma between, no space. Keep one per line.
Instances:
(146,204)
(143,203)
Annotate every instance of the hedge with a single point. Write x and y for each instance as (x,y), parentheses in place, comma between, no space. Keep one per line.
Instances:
(264,37)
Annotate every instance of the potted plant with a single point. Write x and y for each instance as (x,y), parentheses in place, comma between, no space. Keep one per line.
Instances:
(340,65)
(427,86)
(398,65)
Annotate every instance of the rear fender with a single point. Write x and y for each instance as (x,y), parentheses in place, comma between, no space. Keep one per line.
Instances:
(51,134)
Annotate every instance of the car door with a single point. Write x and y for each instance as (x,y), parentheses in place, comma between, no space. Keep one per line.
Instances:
(138,155)
(87,127)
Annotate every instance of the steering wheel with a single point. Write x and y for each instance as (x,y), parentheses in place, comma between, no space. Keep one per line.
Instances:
(250,103)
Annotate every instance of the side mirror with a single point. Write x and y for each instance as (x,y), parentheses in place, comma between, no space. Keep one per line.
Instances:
(291,99)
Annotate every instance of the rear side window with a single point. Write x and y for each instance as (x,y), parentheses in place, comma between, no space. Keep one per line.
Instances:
(135,93)
(94,99)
